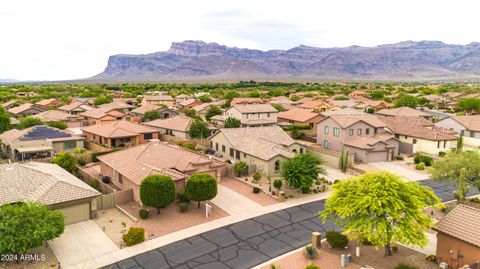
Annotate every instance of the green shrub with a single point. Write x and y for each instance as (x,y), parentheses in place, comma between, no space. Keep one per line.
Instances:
(305,189)
(256,190)
(143,213)
(427,160)
(405,266)
(312,266)
(95,184)
(310,252)
(257,176)
(336,239)
(364,241)
(79,150)
(183,206)
(431,258)
(441,154)
(278,183)
(474,200)
(399,157)
(297,127)
(201,187)
(182,197)
(57,124)
(94,155)
(82,161)
(420,166)
(395,249)
(335,181)
(296,134)
(240,169)
(134,236)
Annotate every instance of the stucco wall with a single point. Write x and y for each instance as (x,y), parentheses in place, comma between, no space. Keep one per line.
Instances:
(428,146)
(445,244)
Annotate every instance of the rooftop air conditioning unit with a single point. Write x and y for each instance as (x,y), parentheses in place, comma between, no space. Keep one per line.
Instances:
(443,265)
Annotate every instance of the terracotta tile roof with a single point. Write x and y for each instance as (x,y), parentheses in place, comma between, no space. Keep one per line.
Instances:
(418,127)
(54,115)
(188,102)
(142,109)
(299,114)
(345,120)
(462,223)
(243,101)
(158,98)
(46,102)
(9,103)
(43,182)
(117,105)
(471,123)
(343,111)
(261,142)
(367,142)
(75,105)
(432,97)
(343,103)
(121,128)
(283,100)
(24,107)
(156,158)
(255,108)
(15,135)
(97,113)
(178,123)
(205,106)
(312,103)
(402,111)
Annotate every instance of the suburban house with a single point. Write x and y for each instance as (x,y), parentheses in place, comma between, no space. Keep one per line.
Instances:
(172,128)
(367,104)
(119,134)
(129,101)
(283,101)
(101,115)
(318,105)
(202,109)
(363,135)
(9,104)
(403,111)
(39,141)
(124,107)
(357,94)
(301,117)
(420,135)
(246,101)
(85,100)
(180,98)
(468,126)
(165,100)
(261,148)
(127,168)
(50,185)
(188,104)
(56,115)
(253,115)
(458,237)
(24,110)
(26,94)
(139,112)
(75,108)
(48,103)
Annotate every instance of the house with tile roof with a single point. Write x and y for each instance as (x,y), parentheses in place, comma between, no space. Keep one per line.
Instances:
(120,133)
(261,148)
(301,117)
(37,142)
(201,110)
(366,104)
(318,105)
(9,104)
(246,101)
(357,94)
(101,115)
(48,103)
(50,185)
(188,103)
(165,100)
(417,134)
(24,110)
(363,135)
(468,126)
(458,237)
(252,115)
(174,128)
(403,111)
(72,121)
(139,112)
(127,168)
(75,108)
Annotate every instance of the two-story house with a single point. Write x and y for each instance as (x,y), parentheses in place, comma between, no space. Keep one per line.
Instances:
(165,100)
(363,135)
(468,126)
(252,115)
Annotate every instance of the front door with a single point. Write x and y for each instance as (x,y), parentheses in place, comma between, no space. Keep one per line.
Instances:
(112,142)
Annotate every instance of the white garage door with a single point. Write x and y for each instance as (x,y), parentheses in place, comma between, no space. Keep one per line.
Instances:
(379,156)
(76,213)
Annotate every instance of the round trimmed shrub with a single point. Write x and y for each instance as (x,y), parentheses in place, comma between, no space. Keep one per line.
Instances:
(427,160)
(256,190)
(395,249)
(305,190)
(201,187)
(277,183)
(431,258)
(143,213)
(134,236)
(312,266)
(336,239)
(157,191)
(183,206)
(420,166)
(95,184)
(257,176)
(182,197)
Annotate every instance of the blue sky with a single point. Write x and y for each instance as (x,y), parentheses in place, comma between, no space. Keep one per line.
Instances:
(59,40)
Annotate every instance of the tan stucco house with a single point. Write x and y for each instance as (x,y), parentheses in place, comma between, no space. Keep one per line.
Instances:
(252,115)
(468,126)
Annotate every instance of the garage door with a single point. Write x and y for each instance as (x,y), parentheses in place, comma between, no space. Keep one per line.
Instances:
(378,156)
(76,213)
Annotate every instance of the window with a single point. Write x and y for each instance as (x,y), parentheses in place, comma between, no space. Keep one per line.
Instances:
(148,136)
(268,115)
(336,131)
(216,146)
(128,119)
(350,132)
(277,165)
(101,141)
(294,151)
(231,152)
(325,144)
(70,145)
(359,131)
(258,116)
(406,137)
(237,154)
(414,141)
(291,121)
(367,131)
(311,124)
(120,178)
(397,136)
(444,144)
(244,155)
(438,144)
(325,130)
(301,150)
(223,148)
(248,116)
(211,144)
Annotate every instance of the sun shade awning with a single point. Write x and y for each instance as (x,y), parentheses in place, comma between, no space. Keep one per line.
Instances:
(34,149)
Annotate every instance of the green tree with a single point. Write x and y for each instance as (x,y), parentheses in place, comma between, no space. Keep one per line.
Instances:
(232,122)
(199,129)
(278,107)
(377,95)
(24,226)
(469,104)
(449,168)
(381,208)
(28,121)
(240,169)
(66,161)
(57,124)
(302,170)
(212,111)
(104,99)
(157,191)
(294,98)
(4,120)
(201,187)
(205,98)
(406,100)
(152,115)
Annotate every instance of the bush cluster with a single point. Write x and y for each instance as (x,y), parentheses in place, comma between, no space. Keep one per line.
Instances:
(427,160)
(305,189)
(134,236)
(420,166)
(336,239)
(405,266)
(143,213)
(256,190)
(183,206)
(297,127)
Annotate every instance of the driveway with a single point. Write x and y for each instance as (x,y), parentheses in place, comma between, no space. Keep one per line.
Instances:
(234,203)
(334,174)
(80,243)
(399,170)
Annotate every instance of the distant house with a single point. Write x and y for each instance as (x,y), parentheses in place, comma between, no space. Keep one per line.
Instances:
(101,115)
(188,104)
(26,94)
(171,128)
(120,106)
(357,94)
(318,105)
(127,168)
(468,126)
(301,117)
(128,101)
(56,115)
(24,110)
(284,101)
(364,135)
(420,135)
(165,100)
(48,103)
(458,237)
(404,112)
(50,185)
(85,100)
(9,104)
(75,108)
(37,142)
(376,105)
(119,134)
(262,148)
(201,110)
(246,101)
(253,115)
(180,98)
(139,112)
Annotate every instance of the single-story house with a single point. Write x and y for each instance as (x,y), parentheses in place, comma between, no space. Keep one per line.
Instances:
(176,127)
(458,237)
(165,100)
(188,104)
(37,142)
(129,101)
(127,168)
(262,148)
(48,103)
(119,134)
(50,185)
(75,108)
(139,112)
(403,111)
(301,117)
(24,110)
(101,115)
(71,121)
(9,104)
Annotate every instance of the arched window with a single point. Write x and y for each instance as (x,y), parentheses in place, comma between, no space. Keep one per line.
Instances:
(294,151)
(277,165)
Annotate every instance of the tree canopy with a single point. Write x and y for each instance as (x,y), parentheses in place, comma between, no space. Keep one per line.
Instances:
(57,124)
(232,122)
(151,115)
(4,120)
(469,104)
(66,161)
(104,99)
(157,191)
(212,111)
(24,226)
(201,187)
(278,107)
(406,100)
(199,129)
(29,121)
(381,208)
(377,95)
(302,170)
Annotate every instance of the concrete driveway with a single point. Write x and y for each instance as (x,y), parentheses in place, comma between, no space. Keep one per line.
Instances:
(80,243)
(399,170)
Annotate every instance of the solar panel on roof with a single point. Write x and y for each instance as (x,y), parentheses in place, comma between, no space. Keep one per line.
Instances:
(43,132)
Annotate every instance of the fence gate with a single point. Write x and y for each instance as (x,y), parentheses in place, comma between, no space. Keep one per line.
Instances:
(106,201)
